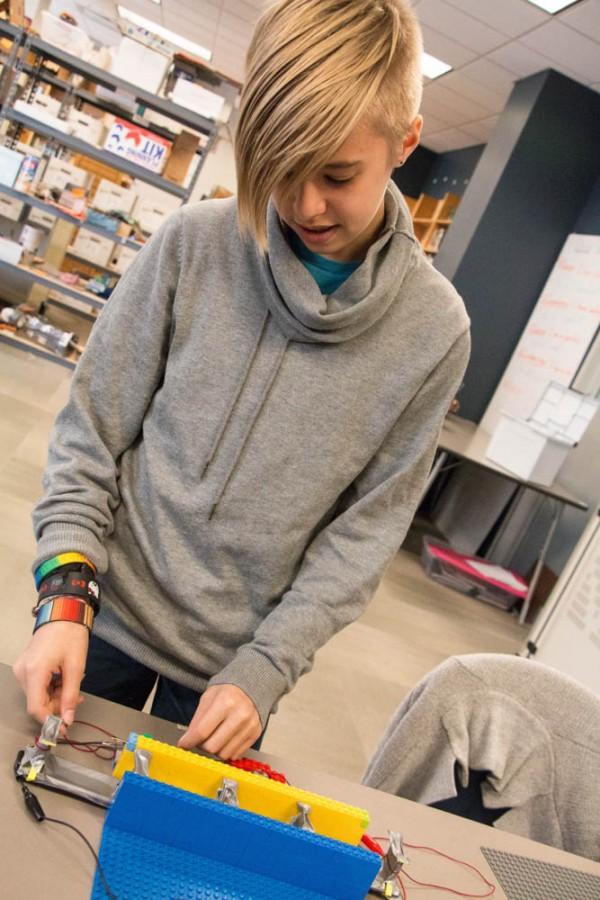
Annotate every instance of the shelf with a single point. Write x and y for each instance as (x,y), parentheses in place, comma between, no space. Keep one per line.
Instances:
(44,75)
(160,104)
(54,284)
(423,221)
(20,343)
(54,301)
(103,156)
(91,263)
(8,30)
(30,200)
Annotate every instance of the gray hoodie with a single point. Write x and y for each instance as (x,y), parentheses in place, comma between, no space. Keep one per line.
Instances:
(240,455)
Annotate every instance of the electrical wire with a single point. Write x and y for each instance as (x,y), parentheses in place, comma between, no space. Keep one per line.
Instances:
(105,884)
(34,807)
(372,844)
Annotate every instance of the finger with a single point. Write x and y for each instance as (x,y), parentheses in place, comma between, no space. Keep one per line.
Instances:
(205,722)
(37,692)
(72,675)
(227,733)
(236,748)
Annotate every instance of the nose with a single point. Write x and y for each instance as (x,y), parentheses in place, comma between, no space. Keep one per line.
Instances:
(308,202)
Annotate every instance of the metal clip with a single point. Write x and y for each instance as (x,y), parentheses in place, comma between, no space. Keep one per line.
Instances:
(142,760)
(50,731)
(386,882)
(227,793)
(301,819)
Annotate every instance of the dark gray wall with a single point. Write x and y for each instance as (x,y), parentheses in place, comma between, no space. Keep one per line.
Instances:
(411,177)
(526,194)
(452,171)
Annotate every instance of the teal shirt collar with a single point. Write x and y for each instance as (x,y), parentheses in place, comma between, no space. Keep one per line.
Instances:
(328,273)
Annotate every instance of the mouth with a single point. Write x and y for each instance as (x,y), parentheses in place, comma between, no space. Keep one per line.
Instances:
(317,235)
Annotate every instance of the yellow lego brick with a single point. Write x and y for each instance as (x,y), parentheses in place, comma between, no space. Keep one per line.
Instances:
(200,775)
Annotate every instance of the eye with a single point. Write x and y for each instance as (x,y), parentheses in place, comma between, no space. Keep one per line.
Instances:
(331,180)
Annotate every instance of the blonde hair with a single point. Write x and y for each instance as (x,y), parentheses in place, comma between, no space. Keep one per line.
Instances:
(314,70)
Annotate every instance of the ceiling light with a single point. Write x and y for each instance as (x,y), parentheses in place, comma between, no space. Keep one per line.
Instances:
(171,36)
(553,6)
(432,67)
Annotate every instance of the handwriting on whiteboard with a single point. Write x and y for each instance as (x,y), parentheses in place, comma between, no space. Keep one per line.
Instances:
(558,334)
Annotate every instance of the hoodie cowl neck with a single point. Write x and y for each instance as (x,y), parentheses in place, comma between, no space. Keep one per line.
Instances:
(294,298)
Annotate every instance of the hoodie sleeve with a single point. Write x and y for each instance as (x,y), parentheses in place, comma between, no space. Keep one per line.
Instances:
(344,563)
(112,387)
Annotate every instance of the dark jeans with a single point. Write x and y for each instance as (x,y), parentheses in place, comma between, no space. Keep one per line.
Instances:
(113,675)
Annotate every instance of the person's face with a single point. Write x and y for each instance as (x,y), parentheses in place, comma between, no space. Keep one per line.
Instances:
(339,211)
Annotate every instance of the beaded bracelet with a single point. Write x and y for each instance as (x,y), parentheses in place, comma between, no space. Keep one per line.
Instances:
(63,609)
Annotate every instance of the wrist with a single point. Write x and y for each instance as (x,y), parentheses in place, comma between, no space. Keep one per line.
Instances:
(63,609)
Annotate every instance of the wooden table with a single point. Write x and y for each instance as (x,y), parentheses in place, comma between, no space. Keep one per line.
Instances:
(47,861)
(466,442)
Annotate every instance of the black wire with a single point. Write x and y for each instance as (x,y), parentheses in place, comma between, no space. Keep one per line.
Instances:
(92,851)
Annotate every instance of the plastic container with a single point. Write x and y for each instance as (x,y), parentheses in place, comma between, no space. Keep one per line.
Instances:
(472,575)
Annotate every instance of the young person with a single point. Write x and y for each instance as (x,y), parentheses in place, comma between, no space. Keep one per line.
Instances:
(251,426)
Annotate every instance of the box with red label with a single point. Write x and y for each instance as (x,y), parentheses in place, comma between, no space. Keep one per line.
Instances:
(138,145)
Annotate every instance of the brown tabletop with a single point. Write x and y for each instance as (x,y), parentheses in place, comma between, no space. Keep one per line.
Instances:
(50,863)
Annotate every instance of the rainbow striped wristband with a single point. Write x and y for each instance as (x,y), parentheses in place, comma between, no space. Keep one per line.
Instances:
(64,609)
(55,562)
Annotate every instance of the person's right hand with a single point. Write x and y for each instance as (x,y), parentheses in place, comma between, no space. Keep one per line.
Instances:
(51,668)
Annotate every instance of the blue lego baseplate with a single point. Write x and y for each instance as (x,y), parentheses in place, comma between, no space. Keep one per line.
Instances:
(163,843)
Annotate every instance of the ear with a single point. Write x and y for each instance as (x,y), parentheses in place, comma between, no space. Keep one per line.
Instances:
(410,141)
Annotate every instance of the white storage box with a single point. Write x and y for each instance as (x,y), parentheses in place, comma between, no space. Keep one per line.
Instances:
(140,65)
(526,450)
(93,248)
(199,99)
(39,217)
(122,259)
(110,197)
(86,127)
(41,110)
(150,215)
(9,208)
(535,448)
(10,163)
(68,37)
(59,174)
(10,251)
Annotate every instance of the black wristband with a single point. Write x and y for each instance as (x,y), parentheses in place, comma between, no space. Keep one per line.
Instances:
(74,580)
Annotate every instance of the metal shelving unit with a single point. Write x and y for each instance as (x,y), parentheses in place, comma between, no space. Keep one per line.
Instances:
(17,62)
(31,200)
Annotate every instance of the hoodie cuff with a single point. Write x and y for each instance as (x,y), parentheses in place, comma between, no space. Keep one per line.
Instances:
(63,537)
(257,677)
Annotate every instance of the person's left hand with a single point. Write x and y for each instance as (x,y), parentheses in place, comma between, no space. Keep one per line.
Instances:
(225,724)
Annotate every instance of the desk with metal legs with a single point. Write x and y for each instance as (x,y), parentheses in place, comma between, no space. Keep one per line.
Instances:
(468,443)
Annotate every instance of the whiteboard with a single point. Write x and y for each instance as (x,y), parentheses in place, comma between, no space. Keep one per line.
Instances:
(558,334)
(567,631)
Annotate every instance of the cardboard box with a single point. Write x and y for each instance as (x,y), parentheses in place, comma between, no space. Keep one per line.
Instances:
(138,145)
(59,174)
(93,248)
(44,109)
(110,197)
(10,251)
(181,157)
(122,259)
(9,208)
(86,127)
(10,163)
(42,218)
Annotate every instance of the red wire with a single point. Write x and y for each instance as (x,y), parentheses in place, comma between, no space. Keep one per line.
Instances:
(437,887)
(98,728)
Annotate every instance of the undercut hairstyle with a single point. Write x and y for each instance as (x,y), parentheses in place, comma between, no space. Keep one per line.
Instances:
(315,69)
